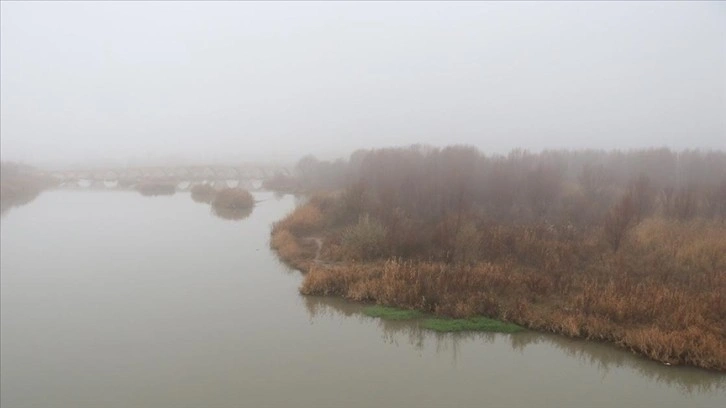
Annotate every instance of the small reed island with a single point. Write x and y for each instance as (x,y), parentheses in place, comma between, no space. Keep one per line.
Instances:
(233,199)
(203,193)
(155,188)
(233,203)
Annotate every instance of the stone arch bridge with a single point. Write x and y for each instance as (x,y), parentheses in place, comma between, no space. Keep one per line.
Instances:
(183,177)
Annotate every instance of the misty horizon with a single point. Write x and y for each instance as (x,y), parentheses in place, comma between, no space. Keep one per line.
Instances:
(362,203)
(121,83)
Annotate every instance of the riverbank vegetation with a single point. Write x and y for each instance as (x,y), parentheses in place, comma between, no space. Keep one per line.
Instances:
(203,193)
(476,323)
(623,247)
(21,184)
(392,313)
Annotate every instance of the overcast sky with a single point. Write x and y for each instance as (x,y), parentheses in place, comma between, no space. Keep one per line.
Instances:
(248,81)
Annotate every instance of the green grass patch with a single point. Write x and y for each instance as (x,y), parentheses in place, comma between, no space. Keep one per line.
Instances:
(442,324)
(391,313)
(472,324)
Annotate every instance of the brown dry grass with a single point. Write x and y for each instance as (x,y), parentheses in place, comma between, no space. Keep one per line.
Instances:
(674,326)
(288,236)
(305,220)
(292,250)
(233,198)
(660,295)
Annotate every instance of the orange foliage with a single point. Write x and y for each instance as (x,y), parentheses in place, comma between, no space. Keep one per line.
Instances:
(599,245)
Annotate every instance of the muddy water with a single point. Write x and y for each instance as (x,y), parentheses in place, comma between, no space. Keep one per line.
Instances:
(111,299)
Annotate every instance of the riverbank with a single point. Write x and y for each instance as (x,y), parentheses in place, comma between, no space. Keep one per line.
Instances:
(659,296)
(21,184)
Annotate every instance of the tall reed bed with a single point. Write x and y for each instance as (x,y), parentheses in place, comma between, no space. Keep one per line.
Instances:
(623,247)
(660,294)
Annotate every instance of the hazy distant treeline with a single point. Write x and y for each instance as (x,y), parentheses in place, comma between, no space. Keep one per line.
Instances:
(625,247)
(573,186)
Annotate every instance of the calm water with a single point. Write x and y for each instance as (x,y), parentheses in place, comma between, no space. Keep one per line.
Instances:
(111,299)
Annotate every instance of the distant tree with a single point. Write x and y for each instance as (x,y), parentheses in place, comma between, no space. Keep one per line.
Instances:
(642,193)
(618,221)
(685,204)
(307,168)
(543,187)
(717,200)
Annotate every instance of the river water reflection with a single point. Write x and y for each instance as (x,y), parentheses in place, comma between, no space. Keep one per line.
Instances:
(112,299)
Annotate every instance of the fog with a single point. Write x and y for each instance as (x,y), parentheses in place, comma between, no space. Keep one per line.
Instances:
(123,82)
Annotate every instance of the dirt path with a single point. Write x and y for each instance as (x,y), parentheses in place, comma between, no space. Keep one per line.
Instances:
(318,248)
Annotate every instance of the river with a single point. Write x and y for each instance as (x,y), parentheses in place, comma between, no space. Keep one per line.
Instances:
(112,299)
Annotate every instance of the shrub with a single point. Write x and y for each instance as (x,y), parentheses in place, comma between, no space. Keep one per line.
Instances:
(203,193)
(233,198)
(303,220)
(234,214)
(366,239)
